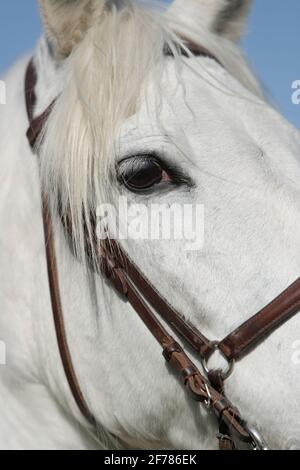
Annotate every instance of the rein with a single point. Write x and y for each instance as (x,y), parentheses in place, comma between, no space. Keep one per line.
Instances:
(136,289)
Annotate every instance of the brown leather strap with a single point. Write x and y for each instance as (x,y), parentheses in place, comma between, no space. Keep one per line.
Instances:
(30,95)
(192,48)
(128,281)
(33,132)
(237,342)
(59,318)
(185,329)
(263,323)
(36,124)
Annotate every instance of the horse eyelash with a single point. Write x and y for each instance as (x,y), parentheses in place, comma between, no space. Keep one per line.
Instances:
(177,175)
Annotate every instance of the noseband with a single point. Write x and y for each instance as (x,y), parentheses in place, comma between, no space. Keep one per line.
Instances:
(149,304)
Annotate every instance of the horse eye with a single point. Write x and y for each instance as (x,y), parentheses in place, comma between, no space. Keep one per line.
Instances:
(141,173)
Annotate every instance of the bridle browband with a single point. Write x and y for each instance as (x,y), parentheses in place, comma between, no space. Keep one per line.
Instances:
(136,289)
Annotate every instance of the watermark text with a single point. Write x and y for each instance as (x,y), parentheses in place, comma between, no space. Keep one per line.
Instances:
(296,93)
(2,353)
(296,353)
(183,222)
(2,92)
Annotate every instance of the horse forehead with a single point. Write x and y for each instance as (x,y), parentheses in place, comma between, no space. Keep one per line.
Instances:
(193,94)
(201,99)
(183,108)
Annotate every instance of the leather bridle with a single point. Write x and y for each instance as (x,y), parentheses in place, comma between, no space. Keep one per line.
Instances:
(148,303)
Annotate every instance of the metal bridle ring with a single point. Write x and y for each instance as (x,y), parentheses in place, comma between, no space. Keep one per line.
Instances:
(258,442)
(230,363)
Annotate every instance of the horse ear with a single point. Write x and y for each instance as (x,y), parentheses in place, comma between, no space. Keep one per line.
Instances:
(224,17)
(66,22)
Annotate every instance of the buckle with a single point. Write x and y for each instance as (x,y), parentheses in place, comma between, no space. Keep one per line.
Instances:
(258,442)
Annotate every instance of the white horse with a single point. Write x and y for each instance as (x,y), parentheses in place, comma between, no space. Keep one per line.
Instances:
(120,97)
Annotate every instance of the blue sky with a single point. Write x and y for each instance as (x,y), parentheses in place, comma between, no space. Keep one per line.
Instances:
(272,44)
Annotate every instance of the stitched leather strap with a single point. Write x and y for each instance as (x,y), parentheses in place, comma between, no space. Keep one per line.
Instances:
(33,132)
(36,124)
(59,318)
(30,95)
(236,343)
(184,328)
(128,281)
(263,323)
